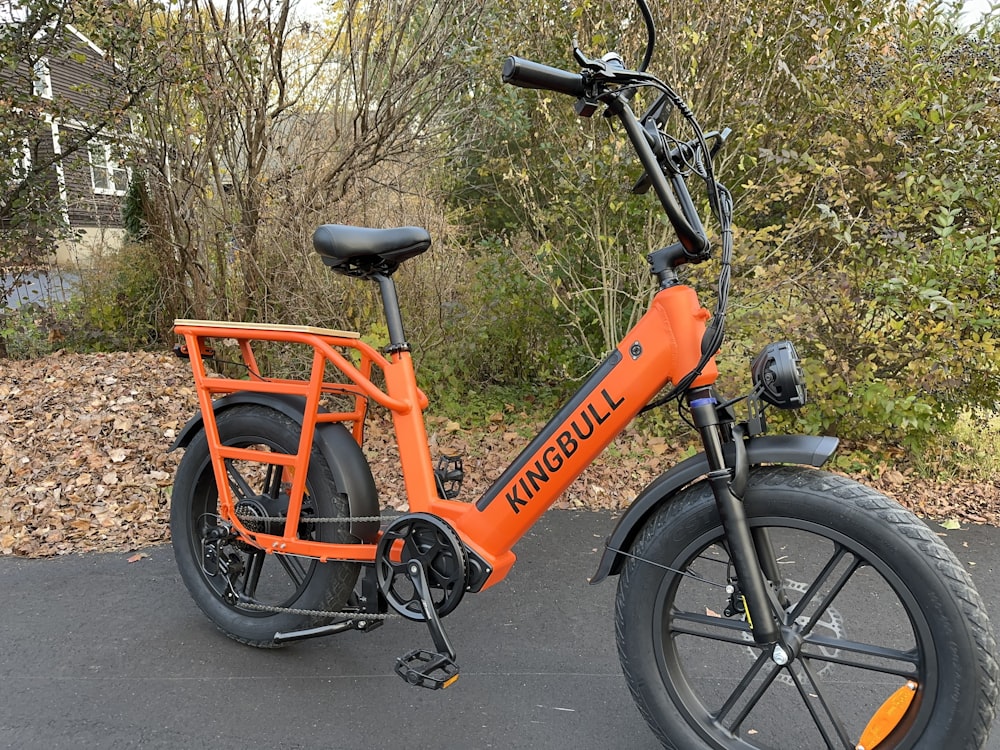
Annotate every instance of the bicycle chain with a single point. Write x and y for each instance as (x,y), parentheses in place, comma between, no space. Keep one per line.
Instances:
(340,519)
(316,612)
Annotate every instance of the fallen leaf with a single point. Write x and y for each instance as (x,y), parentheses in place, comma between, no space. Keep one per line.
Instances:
(894,477)
(63,442)
(137,557)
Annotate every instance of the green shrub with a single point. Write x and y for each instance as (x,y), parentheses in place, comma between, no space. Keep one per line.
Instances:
(121,302)
(875,243)
(28,331)
(505,342)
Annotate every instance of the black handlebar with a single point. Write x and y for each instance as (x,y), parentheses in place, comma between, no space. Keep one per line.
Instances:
(531,75)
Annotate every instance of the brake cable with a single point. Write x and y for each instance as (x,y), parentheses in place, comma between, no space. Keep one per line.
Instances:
(721,203)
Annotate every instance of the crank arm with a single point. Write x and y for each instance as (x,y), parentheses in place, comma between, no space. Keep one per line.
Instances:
(418,578)
(428,669)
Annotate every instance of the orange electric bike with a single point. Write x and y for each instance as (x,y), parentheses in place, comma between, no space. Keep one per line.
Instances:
(761,602)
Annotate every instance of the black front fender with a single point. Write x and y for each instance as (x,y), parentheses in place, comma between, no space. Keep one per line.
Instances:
(769,449)
(347,462)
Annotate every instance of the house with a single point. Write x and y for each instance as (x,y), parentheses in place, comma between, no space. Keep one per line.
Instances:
(64,134)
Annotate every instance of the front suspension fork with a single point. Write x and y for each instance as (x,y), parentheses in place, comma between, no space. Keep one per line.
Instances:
(728,486)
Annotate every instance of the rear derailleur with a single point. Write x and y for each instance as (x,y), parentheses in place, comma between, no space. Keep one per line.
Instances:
(225,555)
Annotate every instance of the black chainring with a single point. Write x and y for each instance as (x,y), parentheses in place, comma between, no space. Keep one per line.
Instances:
(435,545)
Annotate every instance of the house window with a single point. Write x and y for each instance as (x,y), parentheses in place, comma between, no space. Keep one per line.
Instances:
(43,79)
(19,163)
(22,164)
(106,173)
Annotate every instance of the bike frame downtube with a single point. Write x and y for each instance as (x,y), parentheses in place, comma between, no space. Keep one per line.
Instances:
(664,346)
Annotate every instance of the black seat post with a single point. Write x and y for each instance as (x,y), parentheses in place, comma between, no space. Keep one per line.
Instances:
(393,317)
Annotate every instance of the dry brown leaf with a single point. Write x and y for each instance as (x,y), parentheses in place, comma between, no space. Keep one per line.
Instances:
(85,467)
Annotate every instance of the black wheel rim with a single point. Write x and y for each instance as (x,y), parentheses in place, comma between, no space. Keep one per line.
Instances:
(271,580)
(734,696)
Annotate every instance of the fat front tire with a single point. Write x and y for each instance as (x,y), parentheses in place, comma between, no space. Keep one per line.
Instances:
(880,606)
(211,570)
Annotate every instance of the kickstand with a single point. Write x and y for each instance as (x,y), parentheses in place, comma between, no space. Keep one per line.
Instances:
(429,669)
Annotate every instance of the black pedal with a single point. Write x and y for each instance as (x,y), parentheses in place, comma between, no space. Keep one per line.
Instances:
(449,475)
(427,669)
(430,669)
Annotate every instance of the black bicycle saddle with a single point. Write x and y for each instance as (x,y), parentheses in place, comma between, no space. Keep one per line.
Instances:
(360,251)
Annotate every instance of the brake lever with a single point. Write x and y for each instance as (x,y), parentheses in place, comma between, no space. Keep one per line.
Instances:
(593,71)
(607,67)
(720,141)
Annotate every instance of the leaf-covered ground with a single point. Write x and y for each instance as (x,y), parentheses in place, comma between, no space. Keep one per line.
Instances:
(84,463)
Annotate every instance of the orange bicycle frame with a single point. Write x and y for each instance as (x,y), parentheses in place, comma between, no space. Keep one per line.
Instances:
(663,347)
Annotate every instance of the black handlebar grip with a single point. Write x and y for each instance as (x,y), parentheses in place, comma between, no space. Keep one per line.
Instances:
(531,75)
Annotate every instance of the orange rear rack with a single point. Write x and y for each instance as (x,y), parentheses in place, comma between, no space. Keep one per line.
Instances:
(329,347)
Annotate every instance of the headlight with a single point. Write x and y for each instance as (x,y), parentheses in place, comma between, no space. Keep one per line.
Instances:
(777,377)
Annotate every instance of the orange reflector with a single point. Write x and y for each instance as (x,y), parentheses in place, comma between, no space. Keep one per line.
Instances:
(887,717)
(450,681)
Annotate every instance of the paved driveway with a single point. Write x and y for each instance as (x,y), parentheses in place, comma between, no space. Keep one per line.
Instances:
(102,653)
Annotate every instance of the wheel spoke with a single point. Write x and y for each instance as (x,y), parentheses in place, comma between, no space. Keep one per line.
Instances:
(831,595)
(241,489)
(865,649)
(294,567)
(272,480)
(252,576)
(733,627)
(762,660)
(838,554)
(810,701)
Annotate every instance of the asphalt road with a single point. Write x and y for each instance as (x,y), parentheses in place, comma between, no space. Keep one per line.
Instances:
(102,653)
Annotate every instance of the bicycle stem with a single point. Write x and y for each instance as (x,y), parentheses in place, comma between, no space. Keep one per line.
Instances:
(726,483)
(678,206)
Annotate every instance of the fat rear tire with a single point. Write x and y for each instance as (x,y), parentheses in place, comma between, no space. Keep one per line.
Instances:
(284,581)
